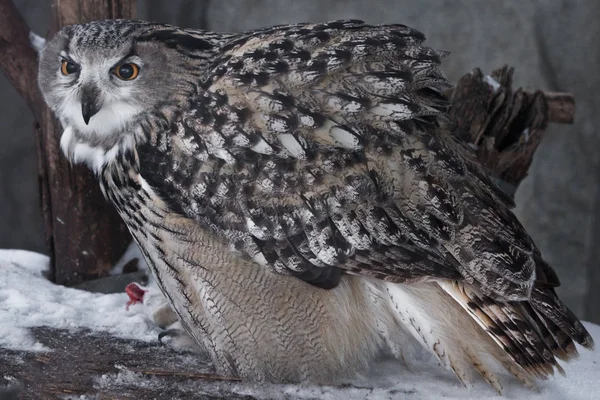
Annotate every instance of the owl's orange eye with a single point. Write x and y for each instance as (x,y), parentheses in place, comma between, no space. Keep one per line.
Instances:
(127,72)
(68,67)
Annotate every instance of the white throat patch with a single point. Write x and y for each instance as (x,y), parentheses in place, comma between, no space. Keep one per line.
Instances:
(95,157)
(114,118)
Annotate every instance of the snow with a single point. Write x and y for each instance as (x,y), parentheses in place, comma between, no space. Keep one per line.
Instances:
(28,299)
(389,380)
(492,82)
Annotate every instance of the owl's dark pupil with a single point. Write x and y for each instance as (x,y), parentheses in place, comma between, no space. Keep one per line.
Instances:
(70,67)
(126,71)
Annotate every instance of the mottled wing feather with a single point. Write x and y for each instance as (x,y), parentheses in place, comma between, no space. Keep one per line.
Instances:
(318,147)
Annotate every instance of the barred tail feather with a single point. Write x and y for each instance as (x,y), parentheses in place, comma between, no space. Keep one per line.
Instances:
(533,334)
(554,312)
(560,343)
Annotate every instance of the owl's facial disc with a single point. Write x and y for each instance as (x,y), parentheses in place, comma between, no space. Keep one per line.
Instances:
(104,78)
(96,91)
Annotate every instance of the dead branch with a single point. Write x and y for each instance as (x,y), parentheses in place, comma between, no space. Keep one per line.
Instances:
(561,107)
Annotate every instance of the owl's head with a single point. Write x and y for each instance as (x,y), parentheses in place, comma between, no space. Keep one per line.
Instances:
(101,77)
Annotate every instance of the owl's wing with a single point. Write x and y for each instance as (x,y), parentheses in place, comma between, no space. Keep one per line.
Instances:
(318,148)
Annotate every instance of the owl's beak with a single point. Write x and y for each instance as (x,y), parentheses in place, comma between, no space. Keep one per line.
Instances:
(90,102)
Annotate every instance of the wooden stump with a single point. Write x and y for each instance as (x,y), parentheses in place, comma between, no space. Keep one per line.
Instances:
(504,125)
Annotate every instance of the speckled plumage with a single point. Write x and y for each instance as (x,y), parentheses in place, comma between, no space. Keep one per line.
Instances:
(298,197)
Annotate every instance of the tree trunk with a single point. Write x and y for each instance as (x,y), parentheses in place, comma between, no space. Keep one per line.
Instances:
(84,234)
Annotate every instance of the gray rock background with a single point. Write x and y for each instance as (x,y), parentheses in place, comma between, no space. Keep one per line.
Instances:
(554,45)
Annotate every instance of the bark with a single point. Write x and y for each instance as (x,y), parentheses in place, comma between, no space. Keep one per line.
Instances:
(84,234)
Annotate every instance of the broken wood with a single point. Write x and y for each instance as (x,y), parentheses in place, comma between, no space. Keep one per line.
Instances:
(502,125)
(188,375)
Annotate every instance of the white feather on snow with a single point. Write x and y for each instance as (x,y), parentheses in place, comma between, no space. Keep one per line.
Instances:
(28,300)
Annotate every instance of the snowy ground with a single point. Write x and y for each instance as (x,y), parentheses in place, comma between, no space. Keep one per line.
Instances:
(28,301)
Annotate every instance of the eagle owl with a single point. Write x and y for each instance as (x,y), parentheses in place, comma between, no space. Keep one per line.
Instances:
(301,202)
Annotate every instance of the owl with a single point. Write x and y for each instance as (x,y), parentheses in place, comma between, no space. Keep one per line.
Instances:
(301,201)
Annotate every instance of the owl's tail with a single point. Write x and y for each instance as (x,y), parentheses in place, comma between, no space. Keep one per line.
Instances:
(473,334)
